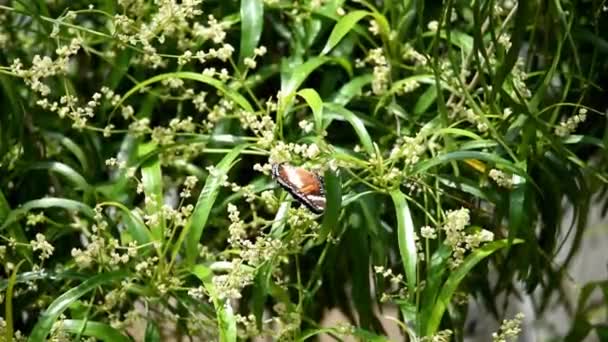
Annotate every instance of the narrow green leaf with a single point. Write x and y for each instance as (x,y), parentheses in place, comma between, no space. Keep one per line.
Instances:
(342,27)
(359,258)
(44,203)
(119,68)
(522,18)
(469,186)
(252,24)
(398,86)
(458,132)
(134,223)
(353,88)
(71,146)
(517,210)
(98,330)
(333,196)
(15,230)
(198,220)
(278,225)
(152,181)
(462,155)
(223,310)
(202,272)
(316,104)
(50,315)
(407,240)
(8,303)
(434,278)
(456,276)
(356,123)
(260,291)
(234,96)
(65,170)
(292,78)
(425,100)
(43,275)
(152,332)
(362,334)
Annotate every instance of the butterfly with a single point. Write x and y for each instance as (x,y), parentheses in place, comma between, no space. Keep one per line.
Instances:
(306,186)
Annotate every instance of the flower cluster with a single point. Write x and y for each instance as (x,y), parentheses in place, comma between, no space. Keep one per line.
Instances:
(409,149)
(476,119)
(45,67)
(509,329)
(502,179)
(566,127)
(263,249)
(261,125)
(286,152)
(170,19)
(397,288)
(456,237)
(409,54)
(519,76)
(230,285)
(42,245)
(428,232)
(257,52)
(35,219)
(381,72)
(237,228)
(440,336)
(189,184)
(17,337)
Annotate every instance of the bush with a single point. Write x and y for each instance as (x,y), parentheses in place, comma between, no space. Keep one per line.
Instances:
(439,142)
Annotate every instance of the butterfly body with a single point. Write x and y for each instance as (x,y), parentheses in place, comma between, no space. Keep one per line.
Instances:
(305,186)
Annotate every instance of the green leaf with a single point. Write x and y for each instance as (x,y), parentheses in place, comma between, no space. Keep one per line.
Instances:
(517,210)
(134,224)
(434,278)
(522,18)
(425,100)
(456,276)
(359,259)
(152,332)
(8,305)
(340,112)
(362,334)
(353,88)
(65,170)
(71,146)
(223,310)
(50,315)
(119,68)
(44,203)
(261,285)
(195,226)
(333,196)
(407,240)
(316,104)
(25,277)
(292,78)
(98,330)
(279,219)
(233,95)
(15,230)
(152,181)
(462,155)
(252,24)
(342,27)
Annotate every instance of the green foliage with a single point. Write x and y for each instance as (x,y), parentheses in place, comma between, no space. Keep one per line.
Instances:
(137,140)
